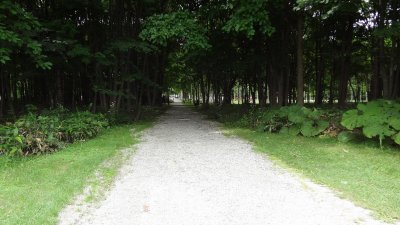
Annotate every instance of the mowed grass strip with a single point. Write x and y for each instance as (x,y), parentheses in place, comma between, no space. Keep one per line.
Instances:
(361,172)
(33,190)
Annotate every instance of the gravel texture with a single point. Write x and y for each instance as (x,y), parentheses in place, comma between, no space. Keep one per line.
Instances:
(185,172)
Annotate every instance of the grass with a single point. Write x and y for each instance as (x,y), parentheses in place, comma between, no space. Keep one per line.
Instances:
(360,171)
(33,190)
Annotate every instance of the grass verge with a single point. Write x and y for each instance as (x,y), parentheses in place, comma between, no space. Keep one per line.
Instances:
(33,190)
(359,171)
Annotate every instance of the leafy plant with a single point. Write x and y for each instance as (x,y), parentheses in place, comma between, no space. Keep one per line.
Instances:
(296,120)
(37,133)
(379,118)
(40,132)
(11,141)
(266,120)
(82,125)
(346,136)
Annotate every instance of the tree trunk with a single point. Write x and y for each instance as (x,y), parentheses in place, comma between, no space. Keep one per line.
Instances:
(345,61)
(300,62)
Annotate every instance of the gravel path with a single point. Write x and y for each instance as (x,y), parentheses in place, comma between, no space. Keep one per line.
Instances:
(185,172)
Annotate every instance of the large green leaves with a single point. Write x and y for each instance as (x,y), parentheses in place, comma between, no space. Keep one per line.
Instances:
(380,130)
(292,130)
(396,138)
(296,120)
(376,119)
(394,122)
(313,128)
(350,119)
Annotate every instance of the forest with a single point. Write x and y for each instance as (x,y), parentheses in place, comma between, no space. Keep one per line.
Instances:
(122,54)
(314,84)
(116,56)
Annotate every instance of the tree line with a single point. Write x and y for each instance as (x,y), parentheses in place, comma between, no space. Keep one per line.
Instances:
(285,52)
(112,55)
(78,54)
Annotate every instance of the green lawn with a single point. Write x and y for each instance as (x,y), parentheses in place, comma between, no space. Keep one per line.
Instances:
(361,172)
(33,190)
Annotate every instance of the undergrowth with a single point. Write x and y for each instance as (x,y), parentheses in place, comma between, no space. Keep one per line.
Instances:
(45,131)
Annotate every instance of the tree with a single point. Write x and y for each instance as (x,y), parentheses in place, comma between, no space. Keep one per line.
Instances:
(119,55)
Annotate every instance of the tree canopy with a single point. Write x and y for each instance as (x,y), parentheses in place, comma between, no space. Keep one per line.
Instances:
(121,54)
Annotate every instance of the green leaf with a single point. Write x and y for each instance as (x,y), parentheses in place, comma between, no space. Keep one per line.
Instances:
(294,130)
(350,119)
(296,117)
(395,123)
(321,125)
(308,130)
(18,139)
(314,114)
(396,138)
(380,130)
(311,128)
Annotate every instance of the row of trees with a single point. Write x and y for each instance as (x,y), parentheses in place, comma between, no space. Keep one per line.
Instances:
(78,53)
(120,54)
(281,52)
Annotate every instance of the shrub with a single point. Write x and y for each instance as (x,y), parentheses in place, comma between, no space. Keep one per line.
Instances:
(296,120)
(256,117)
(82,125)
(40,133)
(11,142)
(46,132)
(379,119)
